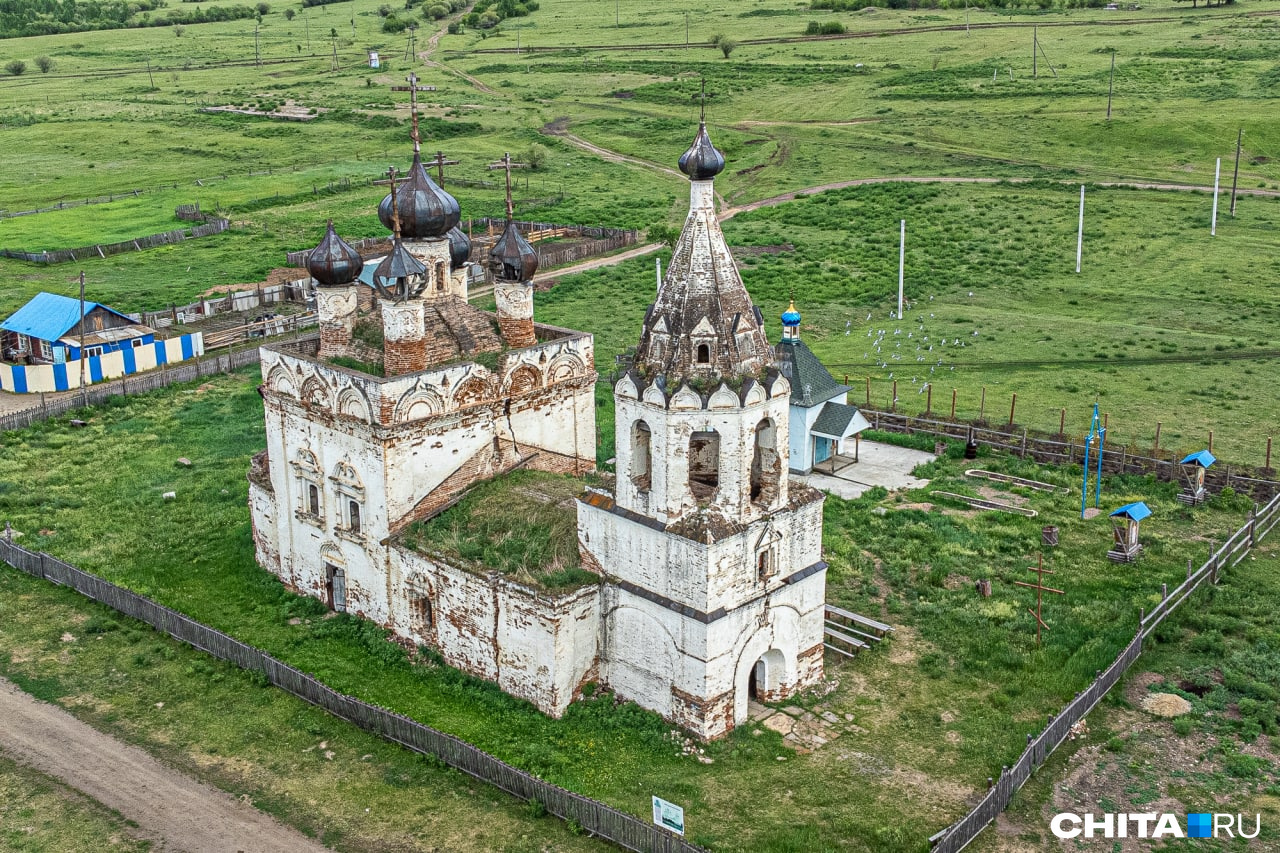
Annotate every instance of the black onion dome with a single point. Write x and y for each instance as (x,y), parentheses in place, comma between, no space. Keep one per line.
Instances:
(514,258)
(459,248)
(335,262)
(702,161)
(425,210)
(399,265)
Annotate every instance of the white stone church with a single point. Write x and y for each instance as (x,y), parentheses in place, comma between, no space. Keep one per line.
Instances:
(706,584)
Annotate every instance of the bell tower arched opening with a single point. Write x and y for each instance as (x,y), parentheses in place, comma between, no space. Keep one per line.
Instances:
(704,465)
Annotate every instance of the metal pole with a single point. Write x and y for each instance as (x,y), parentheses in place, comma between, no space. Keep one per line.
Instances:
(1084,486)
(1217,172)
(1097,491)
(84,392)
(1111,85)
(1235,176)
(902,259)
(1080,232)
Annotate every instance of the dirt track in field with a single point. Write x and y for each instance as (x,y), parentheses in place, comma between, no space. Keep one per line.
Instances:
(177,811)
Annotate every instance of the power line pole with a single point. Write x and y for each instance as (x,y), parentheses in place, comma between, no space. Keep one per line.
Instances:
(257,51)
(84,392)
(1111,84)
(1035,48)
(617,14)
(1235,176)
(153,79)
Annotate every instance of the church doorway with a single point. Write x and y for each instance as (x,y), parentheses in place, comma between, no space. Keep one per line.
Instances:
(336,587)
(766,677)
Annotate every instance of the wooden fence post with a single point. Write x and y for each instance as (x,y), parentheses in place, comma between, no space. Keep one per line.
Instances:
(1012,405)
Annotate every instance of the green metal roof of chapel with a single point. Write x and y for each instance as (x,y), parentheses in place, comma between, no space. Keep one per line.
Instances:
(811,383)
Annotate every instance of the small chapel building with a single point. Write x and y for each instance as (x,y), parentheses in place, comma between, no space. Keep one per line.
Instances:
(704,582)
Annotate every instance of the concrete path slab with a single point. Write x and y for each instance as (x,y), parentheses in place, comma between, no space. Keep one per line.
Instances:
(878,465)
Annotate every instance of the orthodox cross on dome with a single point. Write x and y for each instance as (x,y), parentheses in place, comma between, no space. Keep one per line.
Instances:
(702,98)
(440,162)
(506,165)
(413,89)
(1040,589)
(395,211)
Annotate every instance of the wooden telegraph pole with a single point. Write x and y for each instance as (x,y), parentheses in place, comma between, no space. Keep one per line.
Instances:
(1235,176)
(84,392)
(1040,589)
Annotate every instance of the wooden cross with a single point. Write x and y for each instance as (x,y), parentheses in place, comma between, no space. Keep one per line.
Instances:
(440,162)
(413,89)
(506,165)
(395,210)
(1040,589)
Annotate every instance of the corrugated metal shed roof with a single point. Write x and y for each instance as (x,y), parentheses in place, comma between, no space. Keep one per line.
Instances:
(1203,458)
(837,421)
(811,383)
(1135,511)
(49,316)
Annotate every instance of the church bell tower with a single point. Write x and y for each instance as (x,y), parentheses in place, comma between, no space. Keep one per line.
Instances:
(719,584)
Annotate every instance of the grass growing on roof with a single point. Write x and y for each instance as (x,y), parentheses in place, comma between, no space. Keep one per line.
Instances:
(523,523)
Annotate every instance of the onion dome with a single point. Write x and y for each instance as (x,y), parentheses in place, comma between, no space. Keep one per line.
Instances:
(425,210)
(702,161)
(335,262)
(459,248)
(791,317)
(512,258)
(394,276)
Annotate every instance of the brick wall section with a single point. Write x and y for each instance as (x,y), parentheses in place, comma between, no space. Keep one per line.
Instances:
(517,332)
(400,357)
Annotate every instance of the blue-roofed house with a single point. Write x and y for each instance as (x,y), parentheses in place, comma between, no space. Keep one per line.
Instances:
(47,331)
(819,417)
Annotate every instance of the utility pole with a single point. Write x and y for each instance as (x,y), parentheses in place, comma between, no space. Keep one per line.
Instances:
(1235,176)
(306,19)
(84,392)
(1111,84)
(617,14)
(257,50)
(153,85)
(1035,48)
(686,29)
(1080,232)
(1217,173)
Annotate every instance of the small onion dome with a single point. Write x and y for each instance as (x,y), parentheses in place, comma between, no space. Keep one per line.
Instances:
(400,265)
(425,210)
(791,317)
(515,259)
(702,161)
(459,248)
(335,262)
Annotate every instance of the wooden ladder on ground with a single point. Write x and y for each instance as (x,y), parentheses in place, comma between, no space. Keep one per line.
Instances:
(848,633)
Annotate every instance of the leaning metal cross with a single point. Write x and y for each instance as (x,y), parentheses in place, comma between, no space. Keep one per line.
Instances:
(506,165)
(440,162)
(395,210)
(413,89)
(1040,589)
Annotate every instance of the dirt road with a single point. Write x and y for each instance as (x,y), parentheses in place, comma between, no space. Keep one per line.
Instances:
(171,807)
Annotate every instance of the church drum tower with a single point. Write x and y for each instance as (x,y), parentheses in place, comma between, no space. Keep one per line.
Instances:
(718,586)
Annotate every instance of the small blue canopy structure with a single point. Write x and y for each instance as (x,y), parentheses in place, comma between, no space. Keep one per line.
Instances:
(1203,458)
(1134,512)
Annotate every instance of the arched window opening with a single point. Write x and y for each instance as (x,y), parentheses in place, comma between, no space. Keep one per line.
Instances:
(313,500)
(704,353)
(641,442)
(442,274)
(420,614)
(766,464)
(353,511)
(762,565)
(704,465)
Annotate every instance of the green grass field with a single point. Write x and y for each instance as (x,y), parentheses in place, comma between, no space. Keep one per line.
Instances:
(1146,330)
(928,717)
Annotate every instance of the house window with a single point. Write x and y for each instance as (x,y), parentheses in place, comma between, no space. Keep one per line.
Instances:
(92,352)
(46,351)
(137,343)
(704,354)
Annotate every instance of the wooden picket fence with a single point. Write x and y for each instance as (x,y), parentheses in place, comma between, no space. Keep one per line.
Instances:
(592,816)
(957,836)
(102,250)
